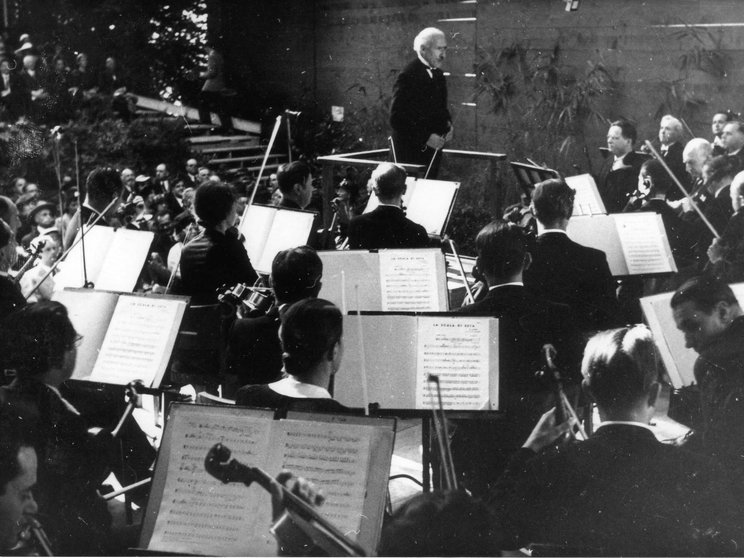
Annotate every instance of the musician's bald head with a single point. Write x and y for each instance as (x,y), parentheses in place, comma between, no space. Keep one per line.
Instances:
(697,152)
(389,182)
(502,252)
(620,370)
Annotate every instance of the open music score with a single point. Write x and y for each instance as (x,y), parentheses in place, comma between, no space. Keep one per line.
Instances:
(635,243)
(124,337)
(389,280)
(190,512)
(462,351)
(678,360)
(587,200)
(428,203)
(113,258)
(269,230)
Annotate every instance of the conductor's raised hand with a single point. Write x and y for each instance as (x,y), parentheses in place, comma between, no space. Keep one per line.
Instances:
(546,432)
(435,141)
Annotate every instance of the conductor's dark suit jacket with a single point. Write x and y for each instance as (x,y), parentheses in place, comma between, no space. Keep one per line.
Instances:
(620,493)
(419,109)
(526,323)
(567,272)
(386,227)
(615,186)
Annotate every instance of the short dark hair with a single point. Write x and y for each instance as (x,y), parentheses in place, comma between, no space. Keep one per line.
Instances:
(728,113)
(390,180)
(553,199)
(213,202)
(627,129)
(103,182)
(290,174)
(295,274)
(660,178)
(310,328)
(704,291)
(501,248)
(36,338)
(721,167)
(619,366)
(14,435)
(442,523)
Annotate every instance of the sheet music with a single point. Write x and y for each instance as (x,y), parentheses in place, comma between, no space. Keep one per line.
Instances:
(408,281)
(456,350)
(587,200)
(90,313)
(430,204)
(200,515)
(124,260)
(643,244)
(97,242)
(139,340)
(255,225)
(336,458)
(288,230)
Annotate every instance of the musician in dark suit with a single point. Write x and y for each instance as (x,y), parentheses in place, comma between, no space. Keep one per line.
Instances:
(310,335)
(102,187)
(733,140)
(387,226)
(671,149)
(621,492)
(419,115)
(254,354)
(526,323)
(696,153)
(563,270)
(619,173)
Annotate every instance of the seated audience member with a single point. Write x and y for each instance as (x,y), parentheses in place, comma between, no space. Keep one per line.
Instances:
(253,352)
(564,271)
(526,324)
(18,466)
(733,140)
(191,174)
(39,345)
(387,226)
(441,524)
(103,195)
(671,149)
(216,257)
(11,297)
(707,312)
(619,173)
(37,284)
(621,492)
(720,119)
(42,219)
(310,334)
(726,255)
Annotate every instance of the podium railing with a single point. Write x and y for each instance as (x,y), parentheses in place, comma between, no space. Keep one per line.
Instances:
(372,158)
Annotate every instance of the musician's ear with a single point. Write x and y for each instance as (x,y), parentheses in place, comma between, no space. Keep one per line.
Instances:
(335,354)
(375,189)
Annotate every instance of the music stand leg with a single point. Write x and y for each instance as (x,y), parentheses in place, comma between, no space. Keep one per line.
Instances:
(426,453)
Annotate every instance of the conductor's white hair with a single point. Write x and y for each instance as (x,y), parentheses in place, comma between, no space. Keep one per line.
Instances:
(672,121)
(425,37)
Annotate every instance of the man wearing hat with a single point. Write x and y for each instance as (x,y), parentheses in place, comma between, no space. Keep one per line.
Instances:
(42,219)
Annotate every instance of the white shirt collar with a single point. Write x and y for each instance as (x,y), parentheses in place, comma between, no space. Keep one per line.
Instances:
(626,423)
(512,283)
(545,231)
(290,387)
(389,205)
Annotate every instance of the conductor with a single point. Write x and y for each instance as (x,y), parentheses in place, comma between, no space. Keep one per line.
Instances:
(418,115)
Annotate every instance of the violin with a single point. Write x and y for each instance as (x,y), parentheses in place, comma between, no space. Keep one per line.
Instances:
(29,262)
(298,515)
(34,539)
(256,299)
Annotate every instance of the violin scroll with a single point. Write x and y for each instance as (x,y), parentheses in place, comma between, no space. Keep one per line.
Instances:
(220,466)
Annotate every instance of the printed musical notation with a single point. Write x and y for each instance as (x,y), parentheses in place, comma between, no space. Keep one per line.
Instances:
(408,280)
(457,351)
(642,243)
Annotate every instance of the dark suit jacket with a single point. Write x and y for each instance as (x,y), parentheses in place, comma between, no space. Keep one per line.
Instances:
(264,396)
(419,109)
(11,298)
(620,493)
(386,227)
(567,272)
(616,185)
(673,159)
(254,353)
